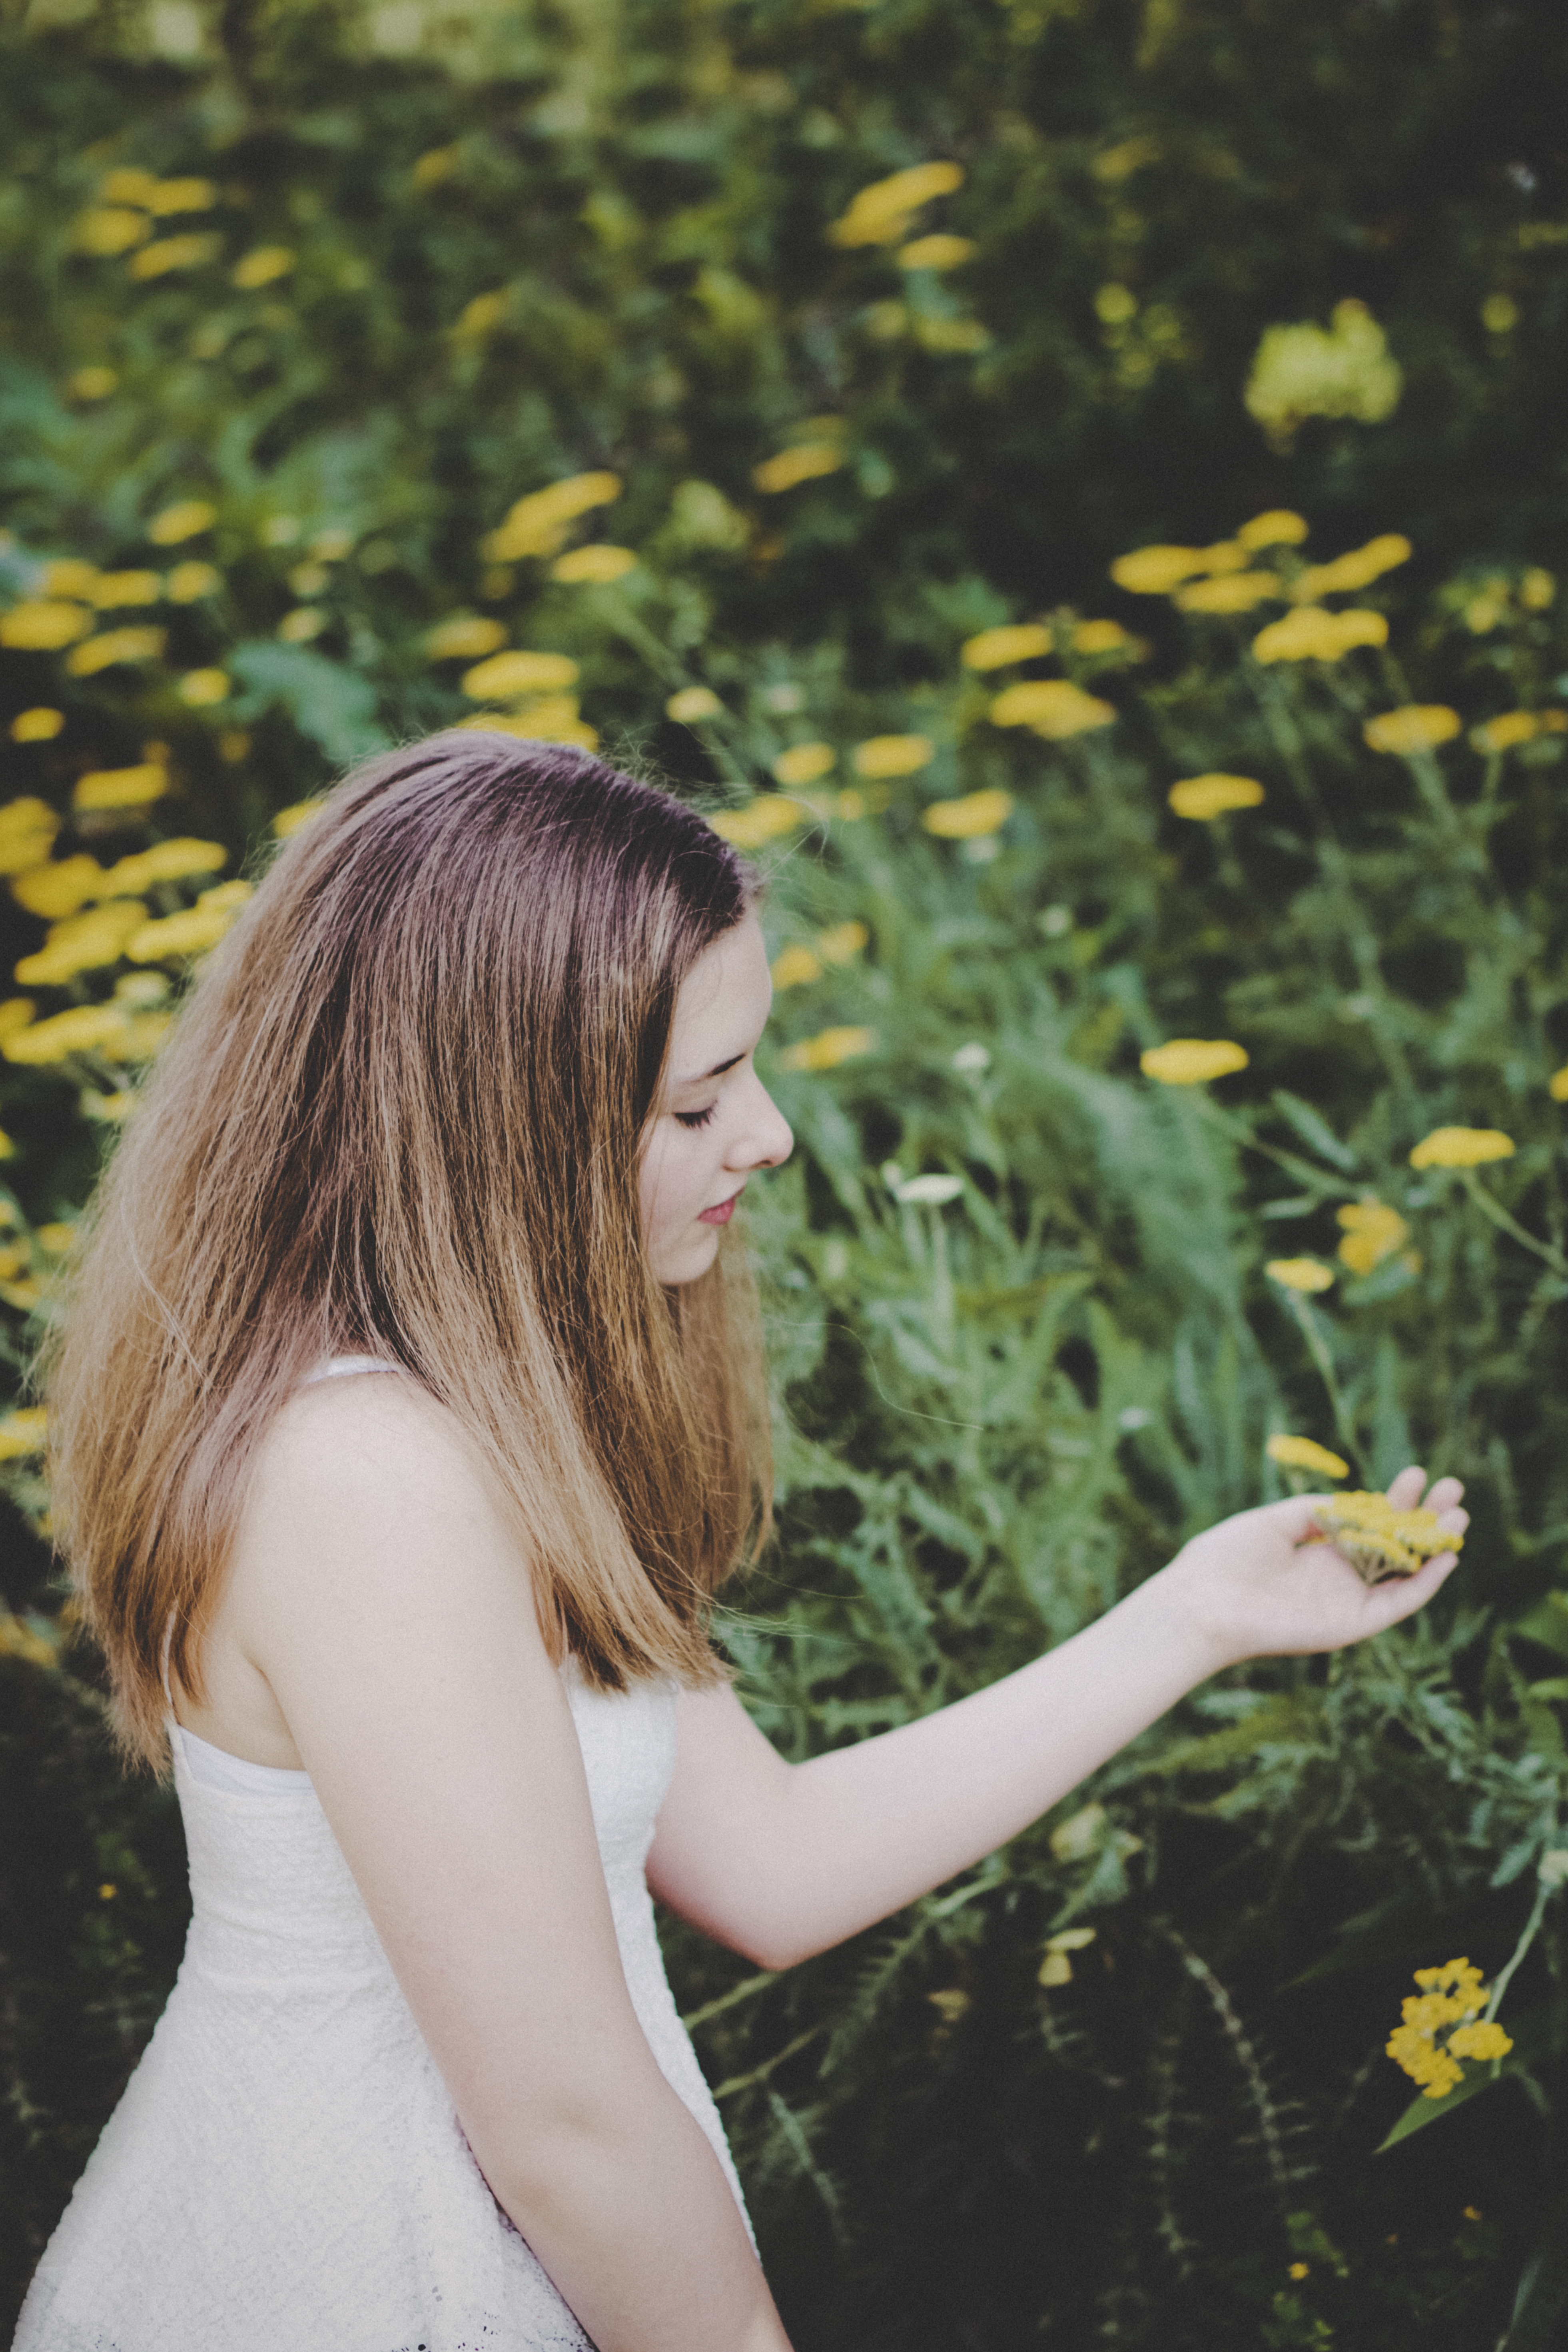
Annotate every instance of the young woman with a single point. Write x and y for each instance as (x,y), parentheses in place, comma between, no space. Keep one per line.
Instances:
(407,1415)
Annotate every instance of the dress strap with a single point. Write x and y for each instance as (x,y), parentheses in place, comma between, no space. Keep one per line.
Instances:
(340,1367)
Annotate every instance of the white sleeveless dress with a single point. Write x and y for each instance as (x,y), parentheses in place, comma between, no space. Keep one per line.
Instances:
(286,2172)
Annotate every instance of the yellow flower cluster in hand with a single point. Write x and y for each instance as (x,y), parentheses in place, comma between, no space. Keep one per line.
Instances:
(1451,1996)
(1193,1061)
(1311,633)
(1053,707)
(1414,726)
(973,817)
(1373,1231)
(1346,574)
(1303,1453)
(1379,1540)
(538,524)
(882,213)
(828,1049)
(1204,798)
(1302,1274)
(1461,1147)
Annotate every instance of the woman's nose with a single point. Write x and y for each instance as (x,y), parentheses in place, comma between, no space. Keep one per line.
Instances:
(766,1140)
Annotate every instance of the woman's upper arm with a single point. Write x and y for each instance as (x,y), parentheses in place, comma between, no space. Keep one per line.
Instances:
(382,1597)
(718,1843)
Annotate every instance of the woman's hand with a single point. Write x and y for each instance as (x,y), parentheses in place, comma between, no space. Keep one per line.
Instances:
(1256,1586)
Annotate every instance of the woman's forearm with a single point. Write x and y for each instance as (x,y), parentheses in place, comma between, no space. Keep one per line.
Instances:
(865,1830)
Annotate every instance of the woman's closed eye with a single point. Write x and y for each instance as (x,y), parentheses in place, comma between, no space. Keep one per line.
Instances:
(696,1117)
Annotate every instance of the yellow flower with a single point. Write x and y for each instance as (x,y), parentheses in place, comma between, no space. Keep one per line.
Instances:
(843,944)
(128,185)
(1105,637)
(55,891)
(1301,1273)
(437,163)
(804,763)
(892,755)
(1302,1454)
(1461,1147)
(692,703)
(112,589)
(1485,2039)
(166,861)
(186,519)
(114,646)
(1056,1968)
(1557,1085)
(1456,1997)
(599,565)
(803,463)
(1234,591)
(81,1030)
(289,819)
(882,213)
(828,1049)
(298,628)
(793,967)
(111,228)
(42,625)
(189,581)
(1192,1061)
(191,932)
(1380,1541)
(27,830)
(1414,726)
(1278,528)
(1373,1231)
(1079,1837)
(56,1239)
(767,818)
(23,1431)
(223,895)
(260,268)
(80,944)
(950,334)
(1305,371)
(91,382)
(309,579)
(994,648)
(69,577)
(186,195)
(547,719)
(1359,569)
(538,524)
(1312,634)
(109,787)
(1513,727)
(1053,707)
(518,673)
(14,1014)
(1206,797)
(936,252)
(1156,570)
(973,817)
(1536,588)
(1299,2269)
(486,311)
(202,687)
(173,253)
(39,725)
(331,545)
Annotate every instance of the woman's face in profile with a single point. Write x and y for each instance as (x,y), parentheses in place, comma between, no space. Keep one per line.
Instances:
(714,1124)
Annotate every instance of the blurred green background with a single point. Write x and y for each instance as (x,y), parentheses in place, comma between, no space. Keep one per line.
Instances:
(301,301)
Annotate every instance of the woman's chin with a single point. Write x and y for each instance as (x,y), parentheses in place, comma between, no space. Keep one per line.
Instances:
(689,1260)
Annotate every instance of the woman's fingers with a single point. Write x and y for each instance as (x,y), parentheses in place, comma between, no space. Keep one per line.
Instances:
(1405,1491)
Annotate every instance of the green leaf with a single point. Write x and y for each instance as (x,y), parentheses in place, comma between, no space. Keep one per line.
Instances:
(333,706)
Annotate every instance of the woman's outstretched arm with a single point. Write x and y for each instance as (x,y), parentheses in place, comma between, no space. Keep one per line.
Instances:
(782,1861)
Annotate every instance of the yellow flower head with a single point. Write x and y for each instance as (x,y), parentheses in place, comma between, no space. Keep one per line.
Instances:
(892,755)
(166,861)
(1206,797)
(937,252)
(793,967)
(464,637)
(767,818)
(43,624)
(191,932)
(1557,1085)
(114,646)
(538,524)
(39,725)
(1300,1274)
(1053,707)
(994,648)
(971,818)
(828,1049)
(843,944)
(1278,528)
(23,1431)
(111,228)
(484,313)
(1192,1061)
(27,830)
(1156,570)
(693,703)
(186,519)
(1372,1232)
(1414,726)
(882,213)
(505,675)
(185,196)
(804,763)
(187,582)
(289,819)
(91,382)
(111,788)
(69,577)
(112,590)
(202,687)
(55,891)
(803,463)
(173,253)
(128,185)
(80,944)
(298,628)
(1232,591)
(1380,1541)
(1106,637)
(1461,1147)
(1303,1453)
(599,565)
(261,267)
(1311,633)
(84,1029)
(1358,569)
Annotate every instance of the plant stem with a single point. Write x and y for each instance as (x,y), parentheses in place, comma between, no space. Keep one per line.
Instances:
(1318,1348)
(1543,1893)
(1509,1225)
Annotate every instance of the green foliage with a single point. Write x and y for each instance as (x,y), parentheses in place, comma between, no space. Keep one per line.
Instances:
(509,247)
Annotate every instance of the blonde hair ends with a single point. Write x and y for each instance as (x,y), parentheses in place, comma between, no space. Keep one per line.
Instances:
(401,1115)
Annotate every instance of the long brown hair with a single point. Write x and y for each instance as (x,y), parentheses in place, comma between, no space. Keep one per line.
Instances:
(401,1115)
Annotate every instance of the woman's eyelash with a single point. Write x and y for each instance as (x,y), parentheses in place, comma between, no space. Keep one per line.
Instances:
(696,1117)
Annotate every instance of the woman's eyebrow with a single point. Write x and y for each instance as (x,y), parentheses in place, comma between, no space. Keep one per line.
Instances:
(718,1071)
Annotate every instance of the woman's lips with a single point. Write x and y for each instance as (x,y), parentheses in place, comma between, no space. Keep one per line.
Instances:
(720,1215)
